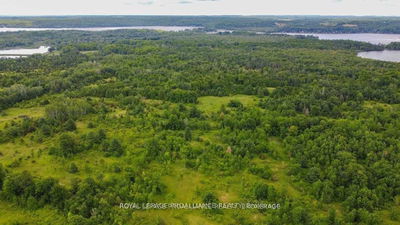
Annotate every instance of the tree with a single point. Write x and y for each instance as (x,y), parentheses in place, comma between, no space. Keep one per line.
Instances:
(210,197)
(174,123)
(2,175)
(332,220)
(235,104)
(68,146)
(188,134)
(261,191)
(69,125)
(42,190)
(194,112)
(114,148)
(73,168)
(18,185)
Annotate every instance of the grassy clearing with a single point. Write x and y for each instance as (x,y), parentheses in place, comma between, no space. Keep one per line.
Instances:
(18,113)
(373,104)
(29,157)
(388,218)
(185,185)
(212,103)
(11,214)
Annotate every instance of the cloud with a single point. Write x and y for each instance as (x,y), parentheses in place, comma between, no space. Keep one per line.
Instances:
(148,2)
(200,7)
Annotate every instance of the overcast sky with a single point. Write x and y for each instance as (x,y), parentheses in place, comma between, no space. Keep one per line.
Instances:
(200,7)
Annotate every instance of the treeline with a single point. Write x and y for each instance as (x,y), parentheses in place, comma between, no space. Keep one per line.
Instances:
(321,24)
(393,46)
(86,202)
(59,117)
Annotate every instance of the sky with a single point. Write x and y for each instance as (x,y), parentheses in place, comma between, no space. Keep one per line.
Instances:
(200,7)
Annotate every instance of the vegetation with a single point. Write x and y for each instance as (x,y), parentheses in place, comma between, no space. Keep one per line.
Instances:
(147,116)
(321,24)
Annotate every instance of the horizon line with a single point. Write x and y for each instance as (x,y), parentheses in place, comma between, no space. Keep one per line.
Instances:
(193,15)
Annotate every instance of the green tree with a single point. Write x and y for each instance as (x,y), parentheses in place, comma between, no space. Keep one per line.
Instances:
(188,134)
(69,125)
(67,145)
(2,175)
(114,148)
(73,168)
(210,197)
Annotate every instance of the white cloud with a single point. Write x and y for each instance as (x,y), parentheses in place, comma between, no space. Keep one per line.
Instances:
(200,7)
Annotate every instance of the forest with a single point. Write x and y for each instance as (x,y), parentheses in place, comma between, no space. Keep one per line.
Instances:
(140,116)
(317,24)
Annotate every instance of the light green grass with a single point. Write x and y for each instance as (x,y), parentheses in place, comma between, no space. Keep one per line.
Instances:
(10,214)
(214,103)
(385,215)
(18,113)
(374,104)
(271,89)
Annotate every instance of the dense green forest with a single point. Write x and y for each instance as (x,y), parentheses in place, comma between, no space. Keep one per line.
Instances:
(136,116)
(319,24)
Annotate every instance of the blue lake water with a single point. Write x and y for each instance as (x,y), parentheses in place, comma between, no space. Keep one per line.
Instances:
(160,28)
(386,55)
(377,39)
(22,52)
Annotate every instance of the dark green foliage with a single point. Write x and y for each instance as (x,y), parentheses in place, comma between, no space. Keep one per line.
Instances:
(292,212)
(235,104)
(90,125)
(188,134)
(69,125)
(17,93)
(210,197)
(2,175)
(261,171)
(73,168)
(67,110)
(19,186)
(18,129)
(393,46)
(183,96)
(332,218)
(263,191)
(113,148)
(194,112)
(67,146)
(174,123)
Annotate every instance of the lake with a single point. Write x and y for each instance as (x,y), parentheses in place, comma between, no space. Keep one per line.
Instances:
(17,53)
(21,52)
(377,39)
(386,55)
(161,28)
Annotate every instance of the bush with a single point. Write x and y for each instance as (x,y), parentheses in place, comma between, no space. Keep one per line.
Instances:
(263,172)
(69,125)
(113,149)
(73,168)
(67,146)
(235,104)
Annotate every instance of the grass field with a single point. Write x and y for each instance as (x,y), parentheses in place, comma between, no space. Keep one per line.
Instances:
(212,103)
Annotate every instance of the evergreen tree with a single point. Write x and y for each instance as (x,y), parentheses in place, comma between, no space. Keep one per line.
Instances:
(69,125)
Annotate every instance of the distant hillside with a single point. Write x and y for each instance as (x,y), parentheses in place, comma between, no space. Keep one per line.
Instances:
(323,24)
